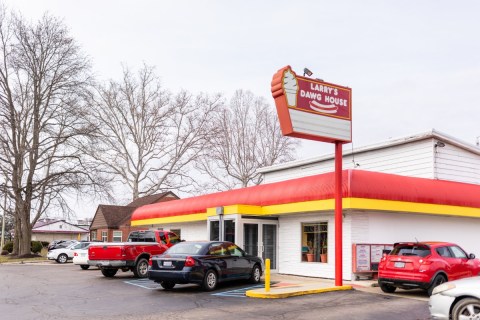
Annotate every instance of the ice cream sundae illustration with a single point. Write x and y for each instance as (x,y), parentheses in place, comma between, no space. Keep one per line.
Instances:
(290,87)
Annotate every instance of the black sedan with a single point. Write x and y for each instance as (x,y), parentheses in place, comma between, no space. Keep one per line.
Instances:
(204,263)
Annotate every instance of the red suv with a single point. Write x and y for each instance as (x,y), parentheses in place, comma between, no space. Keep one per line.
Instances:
(424,265)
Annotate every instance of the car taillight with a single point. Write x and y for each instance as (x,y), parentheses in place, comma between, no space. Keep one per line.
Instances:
(75,254)
(425,262)
(189,262)
(150,261)
(123,252)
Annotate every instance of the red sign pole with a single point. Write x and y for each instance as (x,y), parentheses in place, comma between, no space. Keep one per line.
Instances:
(338,213)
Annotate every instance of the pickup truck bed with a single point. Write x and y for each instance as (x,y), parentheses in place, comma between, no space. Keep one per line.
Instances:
(113,256)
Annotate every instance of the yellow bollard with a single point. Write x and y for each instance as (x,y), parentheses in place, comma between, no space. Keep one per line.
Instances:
(267,275)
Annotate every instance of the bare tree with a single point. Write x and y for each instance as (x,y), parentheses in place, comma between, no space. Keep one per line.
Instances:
(149,137)
(43,81)
(249,138)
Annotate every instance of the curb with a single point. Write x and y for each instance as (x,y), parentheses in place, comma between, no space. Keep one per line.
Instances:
(260,293)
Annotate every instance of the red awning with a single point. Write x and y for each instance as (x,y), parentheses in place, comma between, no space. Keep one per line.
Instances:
(356,184)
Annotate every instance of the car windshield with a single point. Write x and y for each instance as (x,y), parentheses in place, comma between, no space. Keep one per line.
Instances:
(186,248)
(418,250)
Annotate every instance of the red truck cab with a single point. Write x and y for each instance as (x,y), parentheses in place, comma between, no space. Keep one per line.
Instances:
(132,255)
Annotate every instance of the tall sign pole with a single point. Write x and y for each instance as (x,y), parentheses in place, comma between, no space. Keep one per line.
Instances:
(338,214)
(317,110)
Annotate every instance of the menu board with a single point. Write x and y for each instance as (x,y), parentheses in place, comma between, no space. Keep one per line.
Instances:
(367,256)
(363,257)
(376,252)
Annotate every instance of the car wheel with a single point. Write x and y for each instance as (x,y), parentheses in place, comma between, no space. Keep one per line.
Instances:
(84,266)
(468,308)
(210,281)
(109,273)
(256,274)
(387,288)
(62,258)
(167,285)
(141,268)
(436,282)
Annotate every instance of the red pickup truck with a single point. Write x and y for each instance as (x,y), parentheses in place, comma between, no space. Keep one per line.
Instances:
(132,255)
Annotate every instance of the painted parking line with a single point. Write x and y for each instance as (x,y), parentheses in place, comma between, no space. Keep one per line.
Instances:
(238,293)
(150,285)
(144,283)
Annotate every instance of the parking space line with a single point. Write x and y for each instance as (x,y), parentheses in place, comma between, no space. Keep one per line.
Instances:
(144,283)
(237,293)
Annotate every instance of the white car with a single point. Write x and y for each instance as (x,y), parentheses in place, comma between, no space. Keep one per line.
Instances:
(62,255)
(80,257)
(456,300)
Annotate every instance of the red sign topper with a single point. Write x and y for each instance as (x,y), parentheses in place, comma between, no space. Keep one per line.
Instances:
(311,108)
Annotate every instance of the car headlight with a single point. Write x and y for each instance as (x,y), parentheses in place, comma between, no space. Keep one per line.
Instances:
(443,287)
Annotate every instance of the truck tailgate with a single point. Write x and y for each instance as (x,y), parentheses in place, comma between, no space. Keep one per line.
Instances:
(111,251)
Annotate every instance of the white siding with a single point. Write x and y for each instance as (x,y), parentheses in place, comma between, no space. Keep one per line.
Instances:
(414,159)
(456,164)
(399,227)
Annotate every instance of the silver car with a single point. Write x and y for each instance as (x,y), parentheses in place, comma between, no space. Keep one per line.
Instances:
(456,300)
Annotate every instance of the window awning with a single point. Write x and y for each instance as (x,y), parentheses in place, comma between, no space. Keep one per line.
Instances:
(363,190)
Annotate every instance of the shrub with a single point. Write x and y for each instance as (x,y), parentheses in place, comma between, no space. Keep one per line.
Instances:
(36,246)
(45,244)
(4,252)
(8,247)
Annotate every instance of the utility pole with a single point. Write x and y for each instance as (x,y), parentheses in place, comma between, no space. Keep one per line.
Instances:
(2,241)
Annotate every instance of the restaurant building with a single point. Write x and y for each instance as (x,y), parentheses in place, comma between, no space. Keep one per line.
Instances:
(421,187)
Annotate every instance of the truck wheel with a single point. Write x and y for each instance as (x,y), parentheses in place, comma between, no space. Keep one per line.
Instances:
(62,258)
(84,266)
(167,285)
(109,273)
(141,268)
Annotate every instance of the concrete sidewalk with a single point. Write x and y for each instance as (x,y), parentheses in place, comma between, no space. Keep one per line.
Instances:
(284,286)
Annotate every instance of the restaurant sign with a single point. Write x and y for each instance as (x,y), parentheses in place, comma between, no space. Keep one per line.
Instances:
(311,108)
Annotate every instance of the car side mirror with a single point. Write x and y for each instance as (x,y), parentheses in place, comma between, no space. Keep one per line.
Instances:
(471,256)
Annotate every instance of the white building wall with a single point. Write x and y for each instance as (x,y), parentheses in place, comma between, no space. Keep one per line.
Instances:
(59,226)
(414,159)
(372,228)
(290,243)
(190,231)
(456,164)
(401,227)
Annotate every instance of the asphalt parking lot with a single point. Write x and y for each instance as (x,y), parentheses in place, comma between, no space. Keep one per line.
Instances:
(53,291)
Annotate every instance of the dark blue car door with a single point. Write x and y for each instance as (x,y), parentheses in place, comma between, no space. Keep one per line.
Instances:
(242,266)
(218,255)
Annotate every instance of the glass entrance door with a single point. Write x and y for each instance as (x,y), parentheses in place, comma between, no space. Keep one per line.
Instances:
(250,236)
(260,239)
(269,239)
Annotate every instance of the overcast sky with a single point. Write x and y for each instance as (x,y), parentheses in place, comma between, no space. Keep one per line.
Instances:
(412,65)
